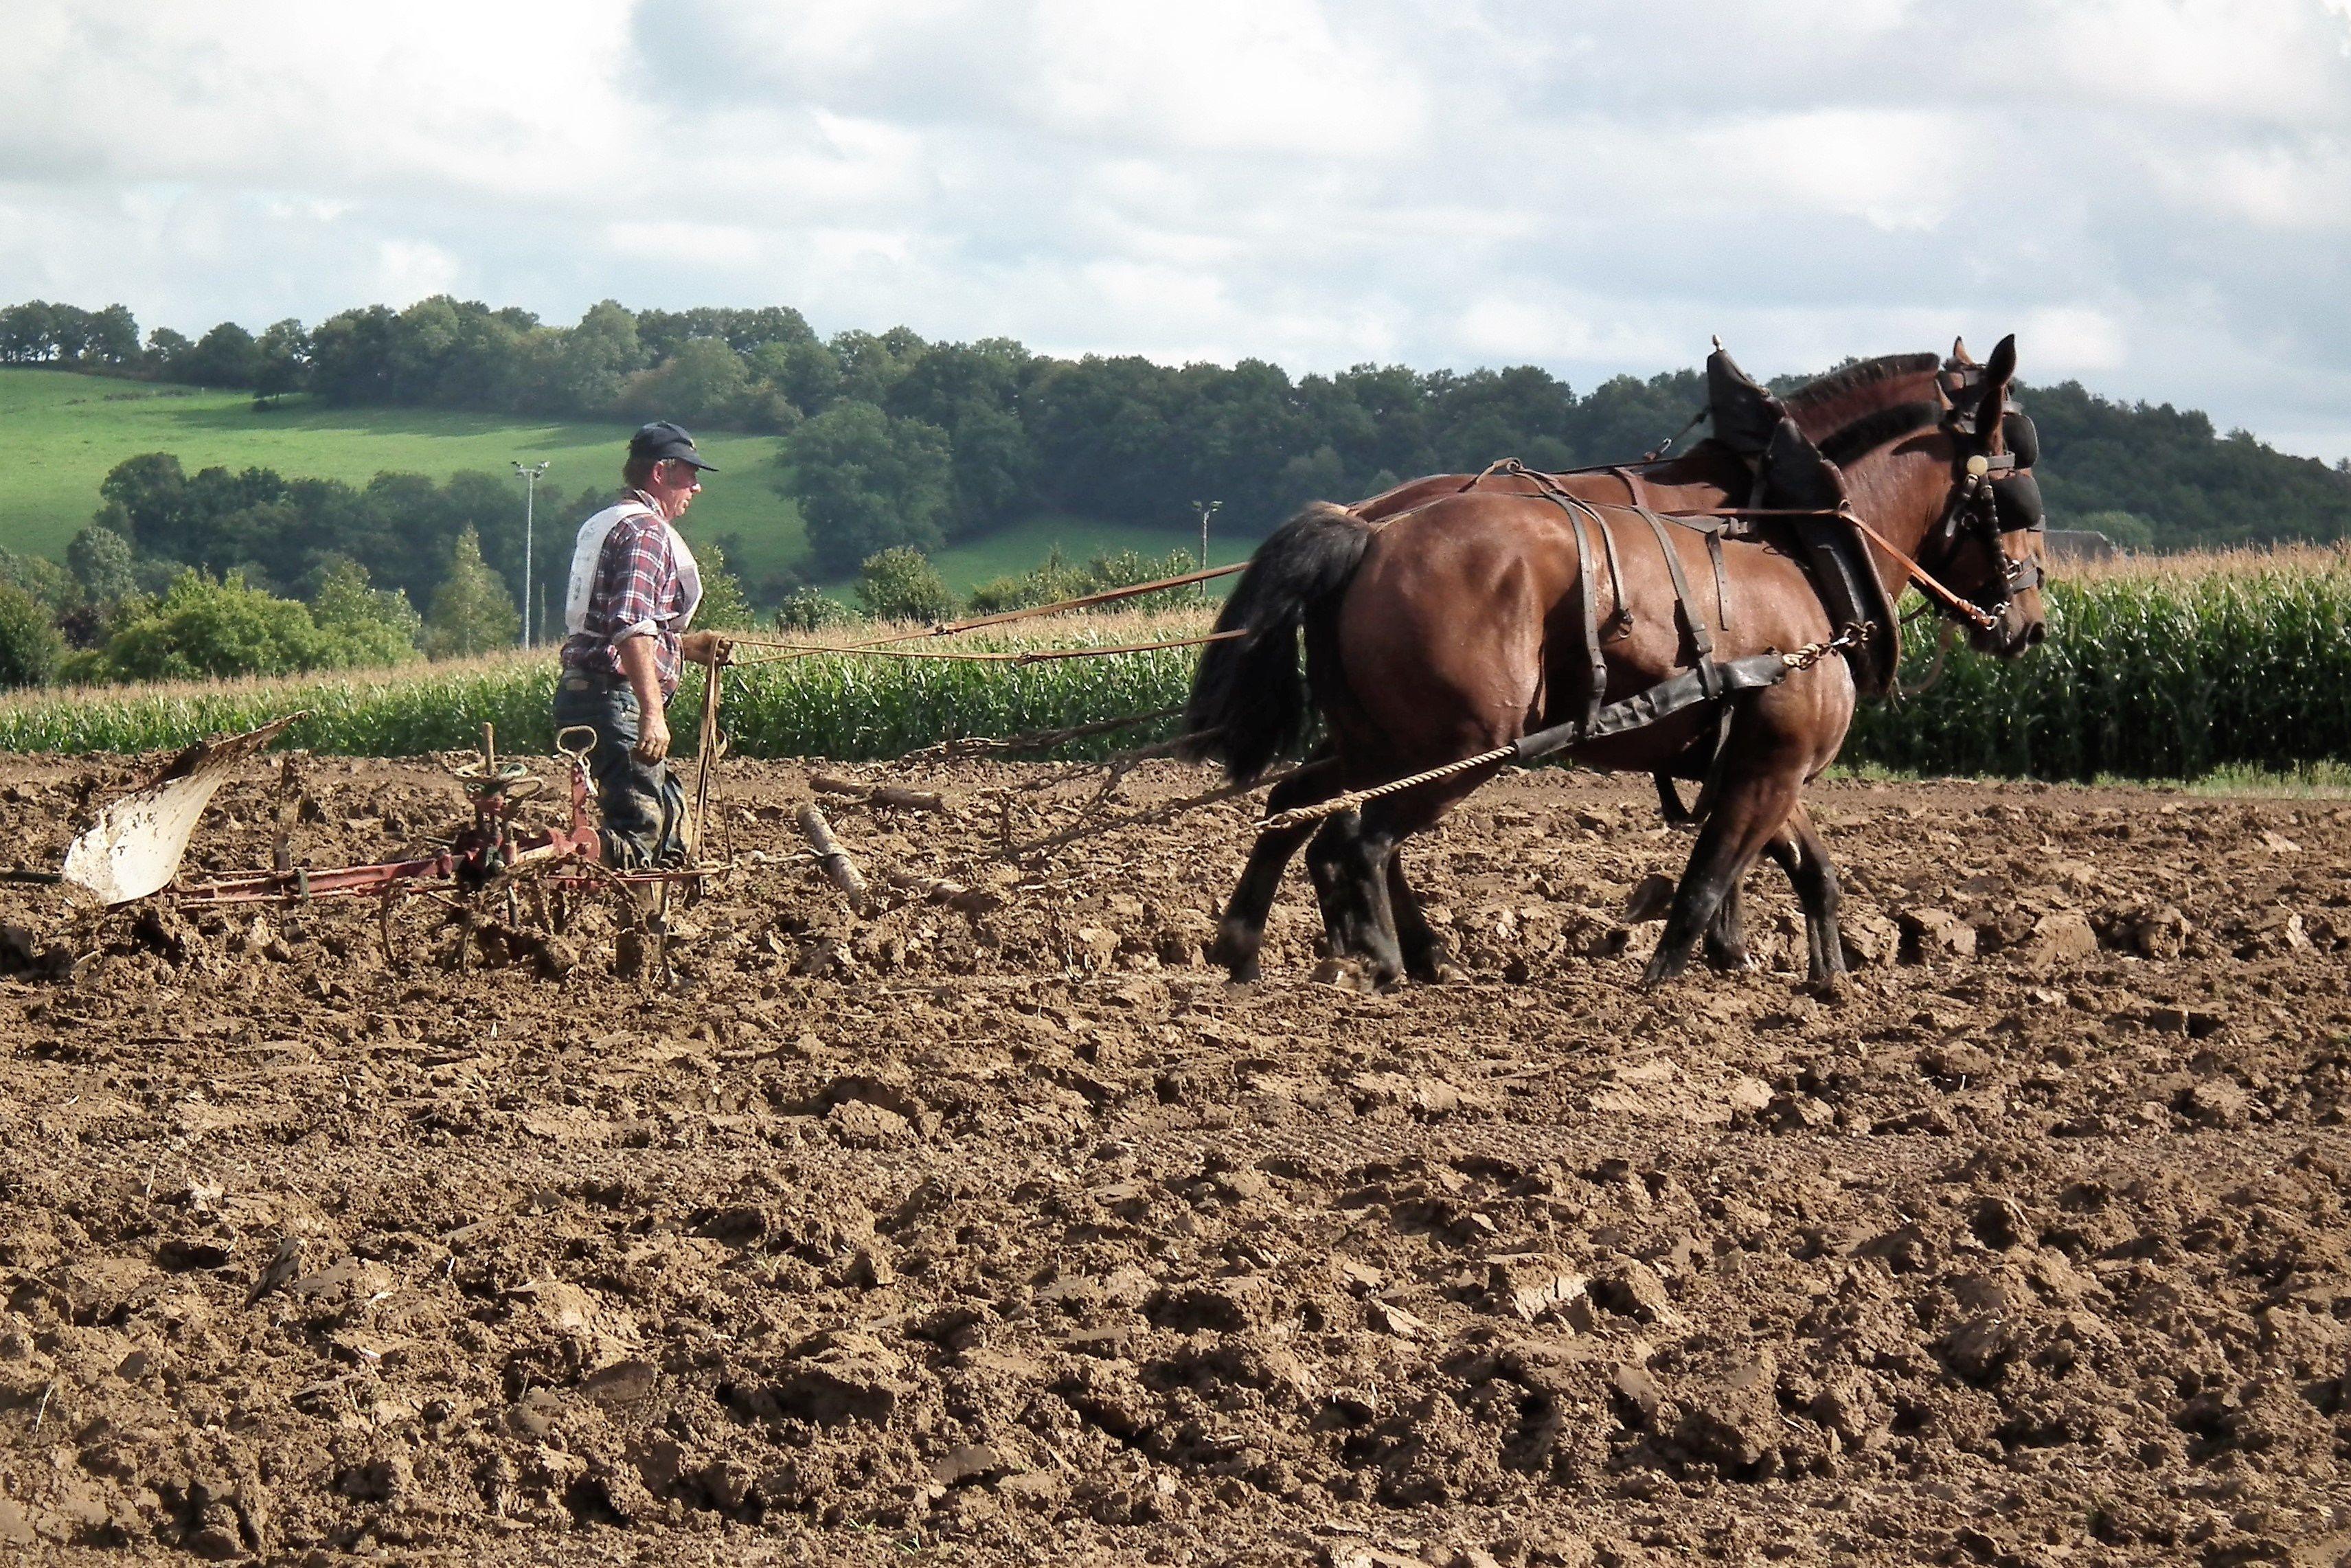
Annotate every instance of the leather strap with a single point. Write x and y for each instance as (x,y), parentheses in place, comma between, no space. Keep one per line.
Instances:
(1590,601)
(1620,618)
(1693,625)
(1643,708)
(1721,580)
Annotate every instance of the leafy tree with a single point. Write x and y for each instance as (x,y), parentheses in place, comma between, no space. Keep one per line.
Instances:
(703,384)
(866,482)
(901,584)
(28,333)
(596,360)
(806,375)
(146,493)
(873,363)
(165,351)
(472,612)
(225,357)
(30,645)
(994,466)
(101,561)
(49,584)
(285,360)
(113,339)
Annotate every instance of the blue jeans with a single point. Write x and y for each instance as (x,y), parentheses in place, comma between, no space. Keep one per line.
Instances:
(640,804)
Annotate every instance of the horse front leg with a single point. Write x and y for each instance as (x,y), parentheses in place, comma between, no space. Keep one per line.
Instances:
(1726,938)
(1750,811)
(1814,876)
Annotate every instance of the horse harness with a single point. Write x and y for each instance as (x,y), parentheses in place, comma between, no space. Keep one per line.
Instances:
(1842,576)
(1708,680)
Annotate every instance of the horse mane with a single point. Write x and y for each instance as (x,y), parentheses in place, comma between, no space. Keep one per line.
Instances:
(1871,431)
(1856,376)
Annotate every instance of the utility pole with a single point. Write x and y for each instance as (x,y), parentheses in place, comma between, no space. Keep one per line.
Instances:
(530,477)
(1205,509)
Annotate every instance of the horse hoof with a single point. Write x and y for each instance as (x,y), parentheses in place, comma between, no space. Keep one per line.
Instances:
(1732,962)
(1239,960)
(1345,974)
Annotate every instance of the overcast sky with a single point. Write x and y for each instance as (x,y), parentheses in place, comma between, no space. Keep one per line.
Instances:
(2155,196)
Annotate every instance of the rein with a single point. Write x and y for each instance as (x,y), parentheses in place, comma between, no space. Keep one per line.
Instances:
(1918,574)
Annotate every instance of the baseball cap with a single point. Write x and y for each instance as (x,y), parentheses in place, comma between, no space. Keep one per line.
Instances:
(662,440)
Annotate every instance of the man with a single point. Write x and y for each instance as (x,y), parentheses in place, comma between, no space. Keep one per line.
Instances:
(634,586)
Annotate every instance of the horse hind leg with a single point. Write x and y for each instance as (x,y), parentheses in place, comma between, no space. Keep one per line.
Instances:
(1240,933)
(1669,801)
(1350,878)
(1424,951)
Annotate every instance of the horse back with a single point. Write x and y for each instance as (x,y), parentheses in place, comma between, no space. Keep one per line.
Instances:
(1465,624)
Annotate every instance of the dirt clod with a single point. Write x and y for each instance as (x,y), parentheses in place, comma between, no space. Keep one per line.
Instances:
(988,1226)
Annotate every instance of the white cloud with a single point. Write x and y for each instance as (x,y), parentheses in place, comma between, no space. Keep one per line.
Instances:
(2152,193)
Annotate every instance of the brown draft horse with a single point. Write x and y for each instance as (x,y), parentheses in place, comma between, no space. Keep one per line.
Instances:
(1451,624)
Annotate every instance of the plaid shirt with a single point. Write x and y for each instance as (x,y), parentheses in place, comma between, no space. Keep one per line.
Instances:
(637,594)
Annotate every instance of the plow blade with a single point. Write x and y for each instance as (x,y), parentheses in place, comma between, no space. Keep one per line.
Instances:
(135,848)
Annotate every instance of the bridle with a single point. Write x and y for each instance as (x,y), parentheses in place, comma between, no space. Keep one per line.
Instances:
(1973,507)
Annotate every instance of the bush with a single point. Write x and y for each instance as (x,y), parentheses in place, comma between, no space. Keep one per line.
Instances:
(807,608)
(724,606)
(1054,580)
(215,627)
(30,645)
(901,584)
(375,626)
(1051,580)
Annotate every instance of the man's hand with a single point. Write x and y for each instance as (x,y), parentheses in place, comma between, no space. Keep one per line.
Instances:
(652,738)
(636,655)
(704,647)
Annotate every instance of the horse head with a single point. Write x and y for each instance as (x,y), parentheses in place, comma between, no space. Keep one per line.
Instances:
(1990,545)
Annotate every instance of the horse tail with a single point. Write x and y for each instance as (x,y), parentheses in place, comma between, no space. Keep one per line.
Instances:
(1249,702)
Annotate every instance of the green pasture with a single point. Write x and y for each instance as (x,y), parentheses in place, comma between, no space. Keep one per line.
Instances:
(1012,550)
(65,431)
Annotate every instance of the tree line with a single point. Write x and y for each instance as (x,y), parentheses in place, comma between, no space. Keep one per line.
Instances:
(894,441)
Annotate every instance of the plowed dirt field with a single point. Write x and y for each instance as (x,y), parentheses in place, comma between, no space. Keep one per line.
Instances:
(1002,1231)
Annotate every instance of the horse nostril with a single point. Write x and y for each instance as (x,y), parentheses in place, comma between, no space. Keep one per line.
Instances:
(2034,633)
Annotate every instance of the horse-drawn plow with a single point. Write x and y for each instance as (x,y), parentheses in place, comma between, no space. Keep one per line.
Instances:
(959,1203)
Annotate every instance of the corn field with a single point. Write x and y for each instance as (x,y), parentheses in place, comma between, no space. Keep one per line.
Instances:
(2151,676)
(2164,673)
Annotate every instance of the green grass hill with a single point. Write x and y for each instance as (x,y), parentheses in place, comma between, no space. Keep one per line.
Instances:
(65,431)
(1012,550)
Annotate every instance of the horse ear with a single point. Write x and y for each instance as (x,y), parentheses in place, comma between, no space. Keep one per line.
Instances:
(1994,401)
(1959,355)
(2003,361)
